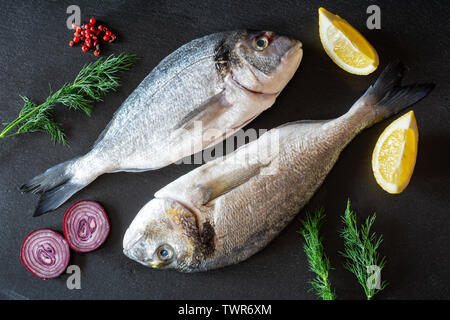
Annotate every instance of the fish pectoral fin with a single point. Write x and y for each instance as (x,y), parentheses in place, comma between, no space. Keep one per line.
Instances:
(227,182)
(204,185)
(206,189)
(206,113)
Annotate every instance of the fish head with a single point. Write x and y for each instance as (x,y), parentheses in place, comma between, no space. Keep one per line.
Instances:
(264,62)
(163,235)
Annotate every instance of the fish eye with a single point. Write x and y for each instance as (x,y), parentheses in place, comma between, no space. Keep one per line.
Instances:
(261,43)
(165,252)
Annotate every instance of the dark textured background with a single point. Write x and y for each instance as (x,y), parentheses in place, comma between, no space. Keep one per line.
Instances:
(34,52)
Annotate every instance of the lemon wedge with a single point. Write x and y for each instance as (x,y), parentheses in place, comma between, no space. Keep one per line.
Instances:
(395,154)
(345,45)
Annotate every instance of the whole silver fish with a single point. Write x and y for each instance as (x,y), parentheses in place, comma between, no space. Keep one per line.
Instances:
(228,209)
(222,81)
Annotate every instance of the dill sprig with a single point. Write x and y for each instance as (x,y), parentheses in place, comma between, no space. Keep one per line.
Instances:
(318,261)
(92,82)
(360,250)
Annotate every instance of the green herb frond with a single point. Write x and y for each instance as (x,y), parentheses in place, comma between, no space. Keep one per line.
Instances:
(360,250)
(92,82)
(318,262)
(39,121)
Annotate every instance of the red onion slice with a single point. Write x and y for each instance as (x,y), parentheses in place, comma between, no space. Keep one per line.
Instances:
(45,253)
(86,226)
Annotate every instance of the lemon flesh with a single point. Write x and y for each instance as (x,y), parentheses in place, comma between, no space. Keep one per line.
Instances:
(345,45)
(395,153)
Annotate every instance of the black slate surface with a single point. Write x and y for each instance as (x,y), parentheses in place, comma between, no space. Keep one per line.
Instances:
(34,52)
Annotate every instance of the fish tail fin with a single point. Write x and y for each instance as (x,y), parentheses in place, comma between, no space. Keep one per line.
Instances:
(387,97)
(56,185)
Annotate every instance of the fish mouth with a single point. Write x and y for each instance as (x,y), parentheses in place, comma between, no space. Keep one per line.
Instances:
(133,249)
(296,48)
(136,255)
(132,252)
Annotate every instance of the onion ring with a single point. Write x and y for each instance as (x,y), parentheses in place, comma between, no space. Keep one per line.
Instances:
(86,226)
(45,253)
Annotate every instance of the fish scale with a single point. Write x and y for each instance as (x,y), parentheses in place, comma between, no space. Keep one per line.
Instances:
(221,82)
(250,195)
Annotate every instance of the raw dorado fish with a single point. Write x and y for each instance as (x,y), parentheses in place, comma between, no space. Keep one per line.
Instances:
(230,208)
(222,81)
